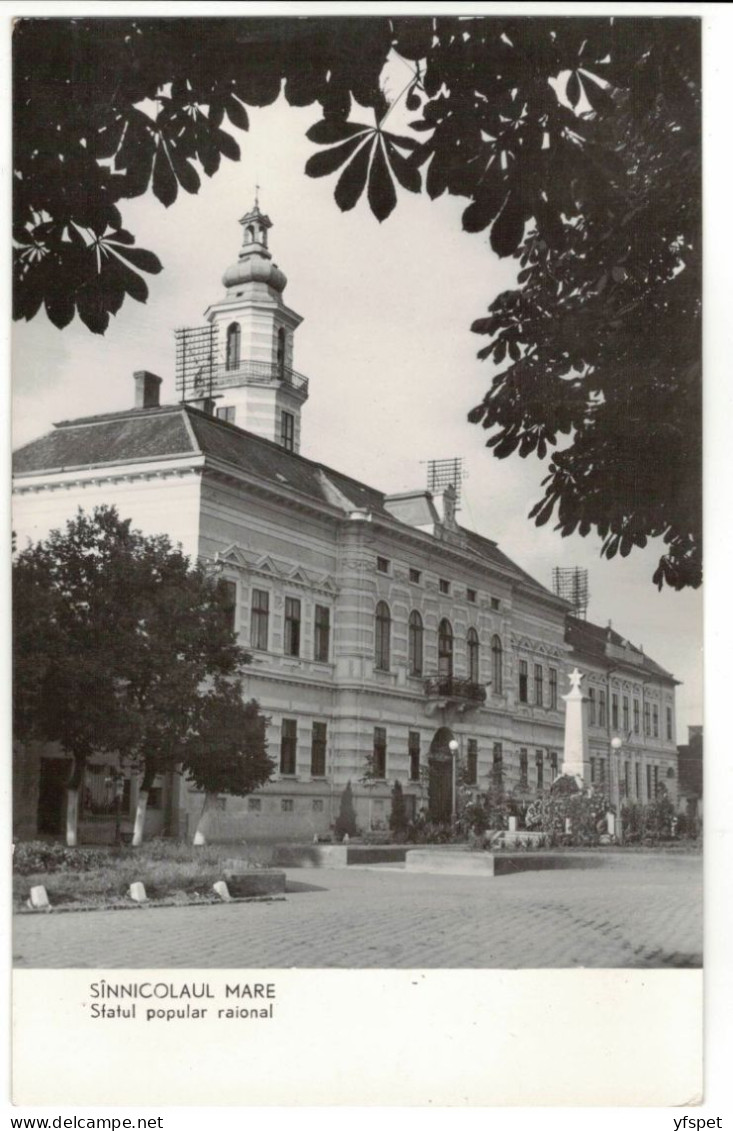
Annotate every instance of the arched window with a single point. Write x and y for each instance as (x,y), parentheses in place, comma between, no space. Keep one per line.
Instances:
(382,626)
(233,339)
(415,643)
(281,351)
(497,678)
(445,649)
(473,655)
(250,234)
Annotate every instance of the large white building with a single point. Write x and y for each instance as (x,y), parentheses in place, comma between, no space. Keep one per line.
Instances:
(380,629)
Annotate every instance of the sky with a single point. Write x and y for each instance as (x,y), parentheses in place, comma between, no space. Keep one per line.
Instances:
(385,343)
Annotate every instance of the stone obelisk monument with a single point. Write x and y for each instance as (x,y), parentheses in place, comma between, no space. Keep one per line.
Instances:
(576,760)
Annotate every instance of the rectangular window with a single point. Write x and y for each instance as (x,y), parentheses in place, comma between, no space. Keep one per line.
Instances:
(318,751)
(380,752)
(497,754)
(538,684)
(288,746)
(626,714)
(636,716)
(383,565)
(286,804)
(602,770)
(647,720)
(254,804)
(602,717)
(553,764)
(523,681)
(637,781)
(322,634)
(592,771)
(471,761)
(292,626)
(539,761)
(471,596)
(669,724)
(523,769)
(649,789)
(495,604)
(228,590)
(592,706)
(259,629)
(287,431)
(553,688)
(655,720)
(413,749)
(227,413)
(415,576)
(627,779)
(444,585)
(655,779)
(614,711)
(317,804)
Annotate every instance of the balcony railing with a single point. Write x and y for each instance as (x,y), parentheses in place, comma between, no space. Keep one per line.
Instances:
(259,373)
(458,690)
(201,366)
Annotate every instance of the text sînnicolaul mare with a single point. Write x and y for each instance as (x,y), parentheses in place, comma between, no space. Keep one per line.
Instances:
(181,991)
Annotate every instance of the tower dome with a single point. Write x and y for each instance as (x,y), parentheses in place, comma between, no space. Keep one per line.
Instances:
(248,355)
(254,262)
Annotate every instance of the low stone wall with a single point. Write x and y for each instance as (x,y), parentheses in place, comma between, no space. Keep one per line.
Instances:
(243,881)
(336,855)
(450,863)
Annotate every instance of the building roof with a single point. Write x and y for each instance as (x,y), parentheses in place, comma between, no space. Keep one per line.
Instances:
(165,432)
(610,650)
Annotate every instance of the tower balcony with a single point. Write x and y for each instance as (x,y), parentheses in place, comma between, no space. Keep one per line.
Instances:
(443,691)
(203,367)
(259,373)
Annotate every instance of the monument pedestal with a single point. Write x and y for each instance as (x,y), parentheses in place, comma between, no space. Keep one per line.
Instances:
(576,755)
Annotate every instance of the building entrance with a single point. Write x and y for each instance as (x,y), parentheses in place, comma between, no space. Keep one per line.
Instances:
(440,782)
(52,795)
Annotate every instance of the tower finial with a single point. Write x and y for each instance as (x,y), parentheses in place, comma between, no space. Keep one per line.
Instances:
(257,196)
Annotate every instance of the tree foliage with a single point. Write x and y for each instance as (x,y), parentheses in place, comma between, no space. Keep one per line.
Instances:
(574,141)
(122,646)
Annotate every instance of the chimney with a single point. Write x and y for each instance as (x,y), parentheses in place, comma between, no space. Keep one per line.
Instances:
(147,389)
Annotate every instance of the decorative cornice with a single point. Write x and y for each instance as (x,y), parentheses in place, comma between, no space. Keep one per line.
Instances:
(264,565)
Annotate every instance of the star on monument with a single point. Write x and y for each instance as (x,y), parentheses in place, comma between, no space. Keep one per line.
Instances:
(575,678)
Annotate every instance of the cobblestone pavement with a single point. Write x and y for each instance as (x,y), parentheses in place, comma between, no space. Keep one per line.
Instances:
(642,911)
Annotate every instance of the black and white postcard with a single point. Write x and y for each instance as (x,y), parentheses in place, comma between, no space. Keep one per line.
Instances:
(357,415)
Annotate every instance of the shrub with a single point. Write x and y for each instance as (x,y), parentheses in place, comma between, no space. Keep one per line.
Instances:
(36,856)
(345,824)
(658,818)
(398,813)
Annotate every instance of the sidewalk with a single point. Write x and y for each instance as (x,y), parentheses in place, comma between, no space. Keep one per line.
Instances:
(643,912)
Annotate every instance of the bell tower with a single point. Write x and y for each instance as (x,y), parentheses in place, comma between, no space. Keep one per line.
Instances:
(252,382)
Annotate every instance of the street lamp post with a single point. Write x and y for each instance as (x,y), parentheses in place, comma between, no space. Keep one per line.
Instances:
(453,747)
(616,744)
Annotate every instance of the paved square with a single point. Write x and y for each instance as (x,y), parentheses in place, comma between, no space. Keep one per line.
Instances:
(640,911)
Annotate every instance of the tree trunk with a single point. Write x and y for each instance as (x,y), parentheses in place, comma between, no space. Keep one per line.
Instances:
(199,837)
(138,832)
(76,781)
(72,817)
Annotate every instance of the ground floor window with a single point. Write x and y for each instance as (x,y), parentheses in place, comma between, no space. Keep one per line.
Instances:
(523,769)
(288,746)
(413,748)
(471,761)
(380,752)
(318,750)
